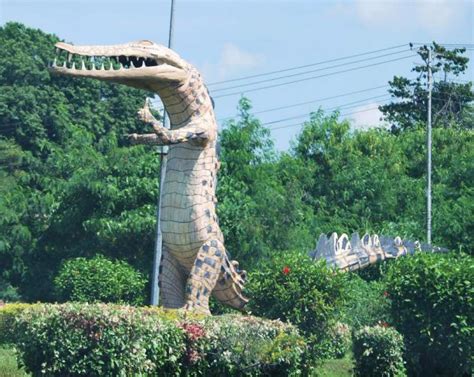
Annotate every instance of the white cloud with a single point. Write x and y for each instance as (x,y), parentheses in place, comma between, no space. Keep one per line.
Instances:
(366,116)
(427,14)
(437,13)
(232,60)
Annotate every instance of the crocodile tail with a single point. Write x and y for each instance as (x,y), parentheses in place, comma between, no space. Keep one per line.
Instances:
(358,253)
(229,286)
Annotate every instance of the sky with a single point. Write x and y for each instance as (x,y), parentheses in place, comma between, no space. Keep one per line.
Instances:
(226,40)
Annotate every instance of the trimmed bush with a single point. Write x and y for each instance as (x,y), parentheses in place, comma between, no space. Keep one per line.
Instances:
(110,340)
(99,280)
(340,341)
(433,308)
(378,351)
(293,288)
(96,340)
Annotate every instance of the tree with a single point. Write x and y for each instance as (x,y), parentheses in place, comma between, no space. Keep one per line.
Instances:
(69,188)
(260,208)
(451,100)
(374,181)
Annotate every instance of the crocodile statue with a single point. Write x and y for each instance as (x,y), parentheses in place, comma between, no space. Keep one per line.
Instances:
(358,253)
(194,261)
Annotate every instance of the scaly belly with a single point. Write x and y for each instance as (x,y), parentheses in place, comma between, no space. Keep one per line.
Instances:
(188,217)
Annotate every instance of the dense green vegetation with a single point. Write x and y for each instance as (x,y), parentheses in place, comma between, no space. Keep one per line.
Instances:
(77,220)
(71,188)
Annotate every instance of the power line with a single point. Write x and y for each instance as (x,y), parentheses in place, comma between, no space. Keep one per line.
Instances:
(327,109)
(313,77)
(347,105)
(307,72)
(341,115)
(307,102)
(307,65)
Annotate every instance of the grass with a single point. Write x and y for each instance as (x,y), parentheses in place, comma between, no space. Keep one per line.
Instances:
(336,367)
(8,364)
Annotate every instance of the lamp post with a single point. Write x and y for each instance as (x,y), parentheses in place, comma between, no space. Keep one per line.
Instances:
(155,289)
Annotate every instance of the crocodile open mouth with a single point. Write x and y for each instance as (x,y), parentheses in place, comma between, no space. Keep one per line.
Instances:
(141,65)
(67,60)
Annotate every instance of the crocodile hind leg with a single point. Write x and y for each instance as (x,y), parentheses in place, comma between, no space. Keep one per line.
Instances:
(172,281)
(230,285)
(204,275)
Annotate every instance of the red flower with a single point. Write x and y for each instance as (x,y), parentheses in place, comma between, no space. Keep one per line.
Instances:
(193,331)
(286,270)
(384,324)
(385,294)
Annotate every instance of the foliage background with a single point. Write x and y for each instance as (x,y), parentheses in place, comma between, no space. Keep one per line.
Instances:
(70,187)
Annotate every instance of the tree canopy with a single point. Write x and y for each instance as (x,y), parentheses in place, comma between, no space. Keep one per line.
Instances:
(451,99)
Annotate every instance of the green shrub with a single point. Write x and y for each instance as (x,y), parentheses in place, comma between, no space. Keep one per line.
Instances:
(433,308)
(110,340)
(293,288)
(367,303)
(242,345)
(99,280)
(378,351)
(96,340)
(340,341)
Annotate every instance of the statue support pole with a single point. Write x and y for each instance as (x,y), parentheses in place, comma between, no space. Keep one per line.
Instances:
(155,289)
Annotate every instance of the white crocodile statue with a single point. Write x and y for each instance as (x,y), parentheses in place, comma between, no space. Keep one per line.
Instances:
(195,263)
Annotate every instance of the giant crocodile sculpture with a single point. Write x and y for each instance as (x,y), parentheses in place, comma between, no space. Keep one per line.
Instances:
(358,253)
(194,262)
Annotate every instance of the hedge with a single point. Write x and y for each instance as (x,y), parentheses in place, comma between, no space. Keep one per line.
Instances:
(432,306)
(378,352)
(110,340)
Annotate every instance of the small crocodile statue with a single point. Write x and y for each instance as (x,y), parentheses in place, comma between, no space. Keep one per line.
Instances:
(358,253)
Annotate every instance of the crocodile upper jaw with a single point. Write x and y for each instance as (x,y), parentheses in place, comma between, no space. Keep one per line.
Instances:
(143,64)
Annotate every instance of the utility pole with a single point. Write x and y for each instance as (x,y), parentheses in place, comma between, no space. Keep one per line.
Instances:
(155,290)
(428,142)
